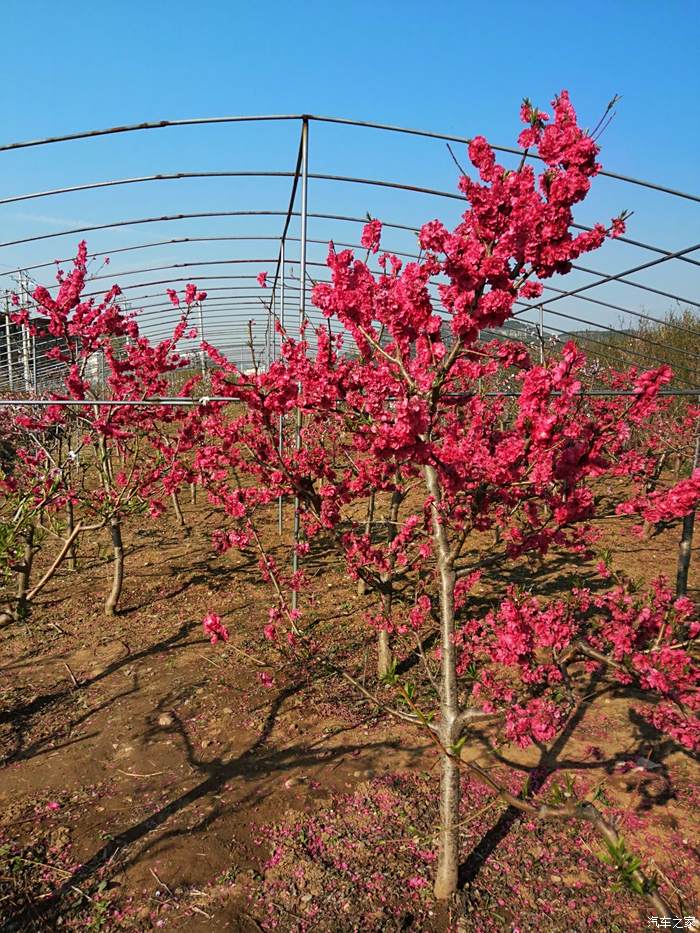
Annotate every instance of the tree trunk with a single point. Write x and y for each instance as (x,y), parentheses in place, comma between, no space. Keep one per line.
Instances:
(178,511)
(25,573)
(193,493)
(678,466)
(384,654)
(448,857)
(385,657)
(361,585)
(118,571)
(26,596)
(70,525)
(649,527)
(686,543)
(684,551)
(447,875)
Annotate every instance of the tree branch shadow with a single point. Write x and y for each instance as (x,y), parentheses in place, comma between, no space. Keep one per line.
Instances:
(246,766)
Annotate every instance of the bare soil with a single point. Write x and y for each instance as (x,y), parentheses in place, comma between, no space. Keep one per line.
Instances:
(151,780)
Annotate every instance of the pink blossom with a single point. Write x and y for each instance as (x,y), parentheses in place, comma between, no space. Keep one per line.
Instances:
(214,628)
(417,882)
(371,235)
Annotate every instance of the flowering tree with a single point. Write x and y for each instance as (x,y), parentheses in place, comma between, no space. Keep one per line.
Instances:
(676,430)
(16,527)
(669,435)
(409,418)
(108,459)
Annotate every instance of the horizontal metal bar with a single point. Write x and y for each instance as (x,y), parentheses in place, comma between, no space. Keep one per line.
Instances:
(119,403)
(184,402)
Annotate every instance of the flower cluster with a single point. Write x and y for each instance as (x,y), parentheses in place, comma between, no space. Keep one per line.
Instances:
(214,628)
(405,418)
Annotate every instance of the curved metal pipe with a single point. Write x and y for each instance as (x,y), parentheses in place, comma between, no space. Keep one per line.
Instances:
(343,121)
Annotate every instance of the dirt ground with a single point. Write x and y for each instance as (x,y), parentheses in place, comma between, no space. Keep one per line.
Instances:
(152,780)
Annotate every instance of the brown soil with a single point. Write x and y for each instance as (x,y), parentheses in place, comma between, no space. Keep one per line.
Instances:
(146,772)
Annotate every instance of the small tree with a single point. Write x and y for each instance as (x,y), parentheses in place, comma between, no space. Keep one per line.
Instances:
(411,415)
(112,459)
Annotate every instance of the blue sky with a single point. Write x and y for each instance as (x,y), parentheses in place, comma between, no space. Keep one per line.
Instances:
(454,67)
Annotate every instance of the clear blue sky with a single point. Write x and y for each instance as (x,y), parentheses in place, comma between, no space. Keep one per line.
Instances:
(455,67)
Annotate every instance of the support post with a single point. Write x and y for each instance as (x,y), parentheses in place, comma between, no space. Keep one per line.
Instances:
(540,333)
(26,371)
(202,359)
(25,360)
(685,545)
(280,439)
(302,312)
(8,344)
